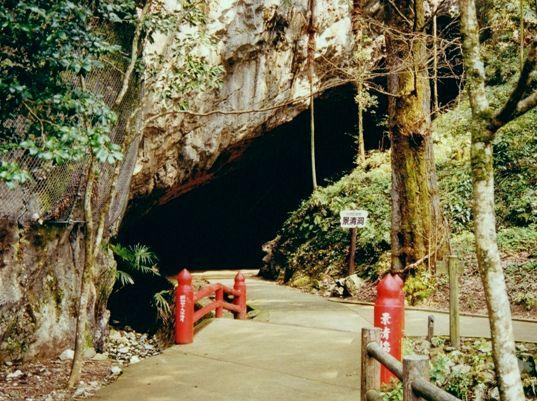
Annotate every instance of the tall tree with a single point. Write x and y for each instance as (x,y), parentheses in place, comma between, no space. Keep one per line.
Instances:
(311,71)
(486,122)
(417,223)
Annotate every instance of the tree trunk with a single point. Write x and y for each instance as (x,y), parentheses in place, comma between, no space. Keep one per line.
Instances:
(361,143)
(488,259)
(359,84)
(311,71)
(85,279)
(488,256)
(435,64)
(416,214)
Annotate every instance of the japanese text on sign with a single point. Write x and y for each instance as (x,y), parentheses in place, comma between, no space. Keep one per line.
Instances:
(182,311)
(353,218)
(385,321)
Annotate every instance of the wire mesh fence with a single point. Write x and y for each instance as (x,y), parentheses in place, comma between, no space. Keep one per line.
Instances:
(53,191)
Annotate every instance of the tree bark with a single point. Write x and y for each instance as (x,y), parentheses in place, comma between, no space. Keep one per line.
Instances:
(359,84)
(361,142)
(311,72)
(488,256)
(85,279)
(416,213)
(488,259)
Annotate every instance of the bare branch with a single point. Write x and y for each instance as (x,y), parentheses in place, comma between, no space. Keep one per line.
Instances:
(400,13)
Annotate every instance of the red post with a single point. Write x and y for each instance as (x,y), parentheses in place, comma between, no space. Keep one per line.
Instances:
(240,301)
(402,295)
(219,297)
(389,317)
(184,309)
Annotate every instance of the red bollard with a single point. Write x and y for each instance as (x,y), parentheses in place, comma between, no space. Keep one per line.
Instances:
(184,309)
(389,317)
(240,285)
(219,297)
(402,295)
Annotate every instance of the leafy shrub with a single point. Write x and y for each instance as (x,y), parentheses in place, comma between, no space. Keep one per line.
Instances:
(518,239)
(312,241)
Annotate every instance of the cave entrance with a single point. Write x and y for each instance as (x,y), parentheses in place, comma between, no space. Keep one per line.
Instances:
(224,223)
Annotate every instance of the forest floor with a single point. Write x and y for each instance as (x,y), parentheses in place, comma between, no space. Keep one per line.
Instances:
(45,380)
(521,284)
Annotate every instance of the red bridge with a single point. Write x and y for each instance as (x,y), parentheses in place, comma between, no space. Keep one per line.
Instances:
(185,300)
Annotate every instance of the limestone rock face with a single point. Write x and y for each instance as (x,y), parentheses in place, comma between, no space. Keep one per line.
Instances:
(40,282)
(263,48)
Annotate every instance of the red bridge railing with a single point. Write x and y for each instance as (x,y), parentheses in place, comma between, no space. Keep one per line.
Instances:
(185,299)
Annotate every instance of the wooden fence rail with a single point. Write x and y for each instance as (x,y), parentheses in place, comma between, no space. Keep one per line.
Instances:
(413,372)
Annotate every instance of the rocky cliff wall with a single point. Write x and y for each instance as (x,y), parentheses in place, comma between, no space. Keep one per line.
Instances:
(263,48)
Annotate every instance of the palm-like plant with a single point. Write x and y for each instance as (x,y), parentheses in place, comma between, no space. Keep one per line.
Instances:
(137,259)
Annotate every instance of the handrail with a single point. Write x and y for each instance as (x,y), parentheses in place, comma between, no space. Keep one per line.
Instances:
(413,372)
(374,350)
(185,300)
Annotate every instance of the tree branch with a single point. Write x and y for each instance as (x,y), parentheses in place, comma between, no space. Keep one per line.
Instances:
(134,54)
(516,104)
(527,104)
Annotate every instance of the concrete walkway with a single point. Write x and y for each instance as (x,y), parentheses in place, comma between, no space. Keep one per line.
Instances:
(299,347)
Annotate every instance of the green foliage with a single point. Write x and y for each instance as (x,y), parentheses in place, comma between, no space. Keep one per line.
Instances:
(518,239)
(187,67)
(395,393)
(45,48)
(312,239)
(137,258)
(419,287)
(312,242)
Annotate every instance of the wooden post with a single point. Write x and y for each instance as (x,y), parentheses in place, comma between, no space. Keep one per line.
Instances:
(430,327)
(219,298)
(352,251)
(370,374)
(414,367)
(454,319)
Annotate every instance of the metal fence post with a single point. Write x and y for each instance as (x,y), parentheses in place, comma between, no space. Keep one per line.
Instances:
(370,374)
(414,367)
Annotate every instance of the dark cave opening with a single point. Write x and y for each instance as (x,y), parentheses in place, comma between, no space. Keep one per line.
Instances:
(224,223)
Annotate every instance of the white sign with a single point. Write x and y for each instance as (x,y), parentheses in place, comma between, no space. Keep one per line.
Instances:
(353,218)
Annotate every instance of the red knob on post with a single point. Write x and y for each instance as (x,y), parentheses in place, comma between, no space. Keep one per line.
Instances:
(240,301)
(184,309)
(389,317)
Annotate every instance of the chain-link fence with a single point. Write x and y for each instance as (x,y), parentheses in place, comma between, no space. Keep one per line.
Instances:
(53,191)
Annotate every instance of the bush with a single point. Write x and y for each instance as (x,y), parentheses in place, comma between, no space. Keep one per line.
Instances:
(312,243)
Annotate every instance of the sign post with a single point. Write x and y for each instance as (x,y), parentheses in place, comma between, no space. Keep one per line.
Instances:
(352,219)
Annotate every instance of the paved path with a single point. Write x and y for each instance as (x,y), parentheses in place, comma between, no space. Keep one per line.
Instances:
(299,347)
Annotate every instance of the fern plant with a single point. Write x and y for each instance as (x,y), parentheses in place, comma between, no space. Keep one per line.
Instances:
(140,259)
(136,259)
